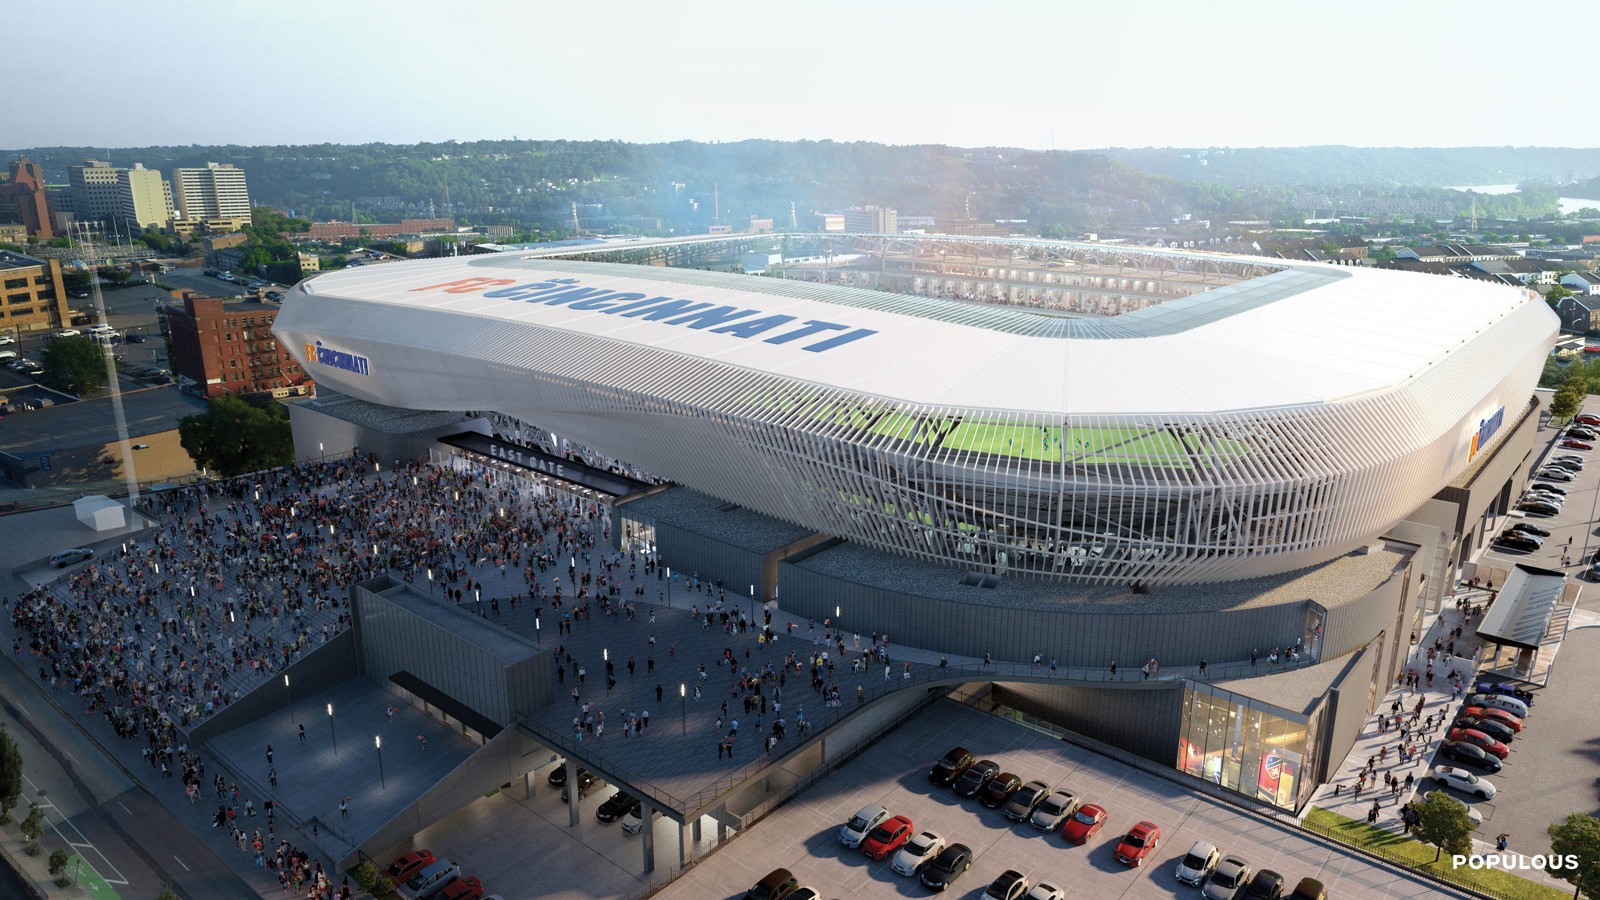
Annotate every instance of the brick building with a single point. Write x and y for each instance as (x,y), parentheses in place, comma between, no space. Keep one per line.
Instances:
(221,348)
(23,199)
(334,231)
(32,296)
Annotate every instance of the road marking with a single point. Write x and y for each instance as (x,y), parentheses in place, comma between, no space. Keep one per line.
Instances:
(83,840)
(124,808)
(71,757)
(180,862)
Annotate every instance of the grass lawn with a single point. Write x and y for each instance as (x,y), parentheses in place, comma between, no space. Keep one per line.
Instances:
(1419,856)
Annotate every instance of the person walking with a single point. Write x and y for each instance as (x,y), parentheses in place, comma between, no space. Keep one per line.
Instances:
(269,754)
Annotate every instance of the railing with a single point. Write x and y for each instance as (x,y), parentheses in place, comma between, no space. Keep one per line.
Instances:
(921,675)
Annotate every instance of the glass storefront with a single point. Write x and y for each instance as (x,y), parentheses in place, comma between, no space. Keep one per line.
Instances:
(1243,744)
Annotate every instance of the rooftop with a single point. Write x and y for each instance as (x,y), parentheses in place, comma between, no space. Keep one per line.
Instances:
(13,260)
(67,426)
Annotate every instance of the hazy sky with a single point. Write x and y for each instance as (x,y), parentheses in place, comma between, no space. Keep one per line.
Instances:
(1063,73)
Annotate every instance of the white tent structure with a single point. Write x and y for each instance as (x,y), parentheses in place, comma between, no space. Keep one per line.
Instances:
(100,512)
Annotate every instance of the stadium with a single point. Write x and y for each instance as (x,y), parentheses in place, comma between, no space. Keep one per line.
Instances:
(1265,421)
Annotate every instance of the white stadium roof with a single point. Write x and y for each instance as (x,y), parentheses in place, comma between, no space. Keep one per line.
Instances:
(1306,334)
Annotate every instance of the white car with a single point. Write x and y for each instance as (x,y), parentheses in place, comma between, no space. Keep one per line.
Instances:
(6,339)
(1042,891)
(631,823)
(861,824)
(1198,863)
(68,332)
(1554,474)
(63,558)
(1463,781)
(1474,815)
(915,852)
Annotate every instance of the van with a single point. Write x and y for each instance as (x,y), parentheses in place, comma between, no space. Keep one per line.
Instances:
(426,882)
(1496,701)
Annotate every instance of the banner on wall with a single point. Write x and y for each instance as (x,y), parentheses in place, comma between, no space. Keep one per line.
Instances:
(1277,769)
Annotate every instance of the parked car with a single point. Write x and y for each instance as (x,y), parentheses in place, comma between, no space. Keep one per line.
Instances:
(1540,487)
(951,765)
(1504,689)
(975,777)
(63,558)
(1499,715)
(999,789)
(1266,885)
(1010,885)
(1054,809)
(1513,705)
(778,884)
(861,824)
(887,837)
(1520,543)
(68,332)
(805,893)
(468,888)
(1198,863)
(587,782)
(430,878)
(1473,814)
(1463,781)
(1230,875)
(1084,824)
(951,863)
(616,806)
(916,852)
(1582,433)
(1470,755)
(401,870)
(1554,474)
(1140,841)
(1497,730)
(1570,444)
(1309,889)
(1043,891)
(1586,419)
(1470,736)
(633,820)
(1026,799)
(1571,464)
(1539,508)
(1530,528)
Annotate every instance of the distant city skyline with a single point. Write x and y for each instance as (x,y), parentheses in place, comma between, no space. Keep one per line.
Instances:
(1037,75)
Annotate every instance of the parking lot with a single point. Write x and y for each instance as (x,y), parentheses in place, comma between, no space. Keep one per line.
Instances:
(803,835)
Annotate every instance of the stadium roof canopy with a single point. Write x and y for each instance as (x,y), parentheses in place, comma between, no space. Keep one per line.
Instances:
(1302,335)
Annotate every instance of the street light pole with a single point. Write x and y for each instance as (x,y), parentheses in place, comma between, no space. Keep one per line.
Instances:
(332,731)
(683,707)
(290,696)
(377,742)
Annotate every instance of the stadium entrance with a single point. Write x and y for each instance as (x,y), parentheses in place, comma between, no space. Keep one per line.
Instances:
(533,474)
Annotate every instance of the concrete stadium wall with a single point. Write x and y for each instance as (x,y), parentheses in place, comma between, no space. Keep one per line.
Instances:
(1138,718)
(1073,638)
(1345,709)
(1351,626)
(329,664)
(691,553)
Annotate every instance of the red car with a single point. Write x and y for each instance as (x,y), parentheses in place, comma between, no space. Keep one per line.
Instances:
(1138,843)
(461,889)
(1571,444)
(887,838)
(1084,824)
(401,870)
(1509,720)
(1587,419)
(1478,739)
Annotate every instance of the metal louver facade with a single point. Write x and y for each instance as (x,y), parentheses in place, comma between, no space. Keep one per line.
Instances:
(1080,492)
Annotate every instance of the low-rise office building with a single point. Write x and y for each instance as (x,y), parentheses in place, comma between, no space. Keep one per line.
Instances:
(32,296)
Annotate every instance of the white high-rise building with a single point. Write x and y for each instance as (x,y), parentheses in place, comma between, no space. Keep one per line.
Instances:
(216,192)
(144,198)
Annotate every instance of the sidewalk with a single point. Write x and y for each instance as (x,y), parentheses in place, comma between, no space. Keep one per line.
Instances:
(1339,794)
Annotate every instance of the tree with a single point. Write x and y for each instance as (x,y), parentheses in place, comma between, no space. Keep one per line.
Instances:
(1444,823)
(1578,836)
(76,365)
(58,861)
(10,776)
(33,825)
(232,437)
(1556,294)
(167,893)
(1568,400)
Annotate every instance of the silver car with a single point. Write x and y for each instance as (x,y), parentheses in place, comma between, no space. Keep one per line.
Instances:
(1054,809)
(1229,876)
(1198,863)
